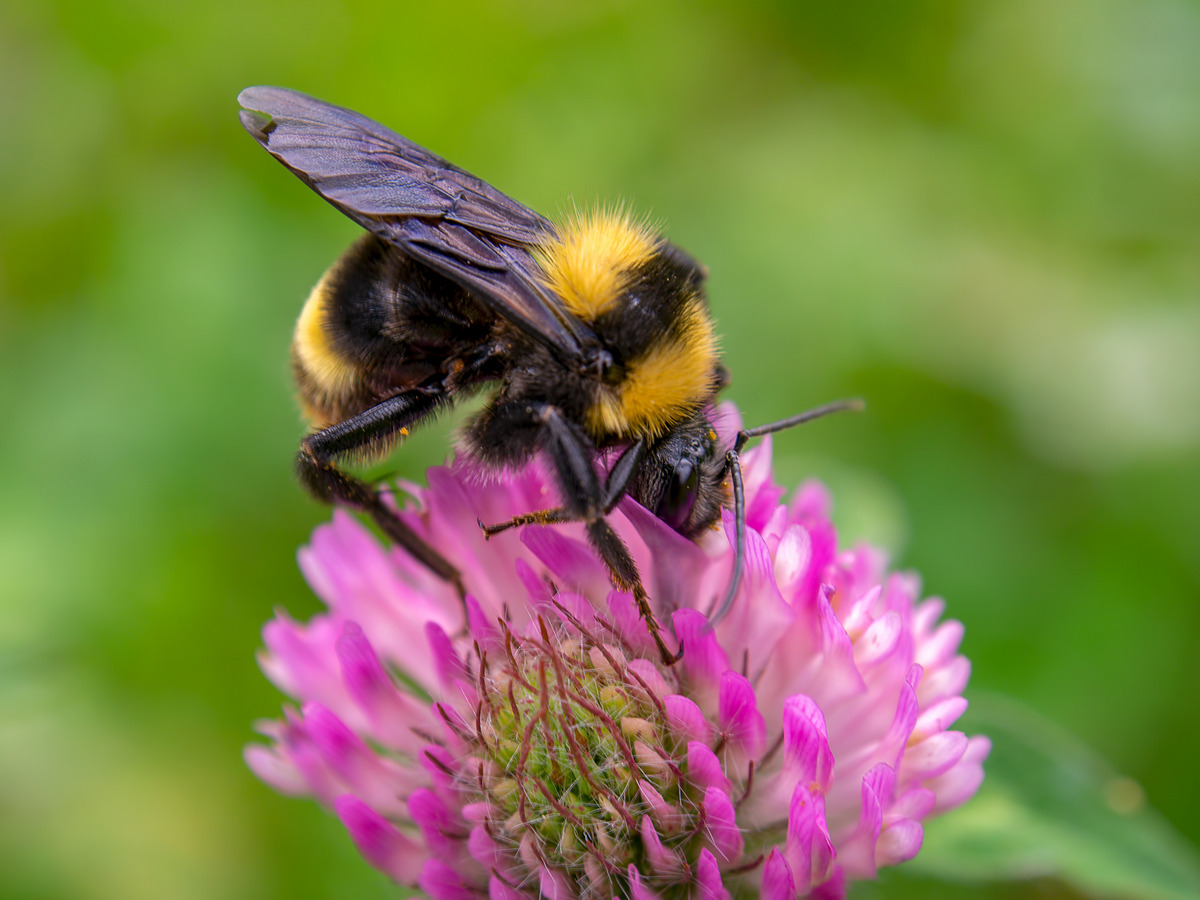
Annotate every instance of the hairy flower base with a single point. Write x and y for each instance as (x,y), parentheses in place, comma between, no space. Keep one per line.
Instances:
(530,741)
(577,765)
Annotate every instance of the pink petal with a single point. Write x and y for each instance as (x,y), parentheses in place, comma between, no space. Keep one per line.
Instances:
(833,888)
(484,849)
(946,681)
(378,781)
(367,586)
(762,494)
(625,619)
(806,754)
(704,770)
(598,880)
(446,661)
(899,842)
(498,890)
(941,646)
(662,861)
(809,849)
(938,717)
(934,755)
(379,841)
(444,771)
(298,748)
(823,538)
(759,615)
(573,607)
(539,592)
(528,852)
(638,890)
(792,558)
(704,661)
(903,589)
(476,813)
(667,817)
(777,881)
(857,854)
(723,832)
(454,509)
(393,714)
(709,885)
(441,882)
(840,677)
(814,657)
(685,718)
(443,831)
(483,628)
(773,528)
(273,769)
(926,614)
(676,585)
(960,784)
(572,563)
(891,744)
(300,661)
(648,680)
(812,501)
(912,804)
(554,884)
(862,612)
(740,722)
(879,641)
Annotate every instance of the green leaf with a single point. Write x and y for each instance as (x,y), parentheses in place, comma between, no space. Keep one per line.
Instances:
(1049,806)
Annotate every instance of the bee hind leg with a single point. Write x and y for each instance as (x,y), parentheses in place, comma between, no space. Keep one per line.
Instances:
(367,431)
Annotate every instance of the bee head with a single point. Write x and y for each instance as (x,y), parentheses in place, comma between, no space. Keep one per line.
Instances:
(682,478)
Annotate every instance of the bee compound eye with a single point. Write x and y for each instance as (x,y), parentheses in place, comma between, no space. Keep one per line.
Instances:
(680,496)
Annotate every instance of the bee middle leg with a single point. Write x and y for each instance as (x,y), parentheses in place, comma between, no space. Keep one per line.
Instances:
(614,489)
(371,429)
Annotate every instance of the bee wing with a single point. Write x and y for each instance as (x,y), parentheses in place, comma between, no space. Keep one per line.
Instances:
(450,220)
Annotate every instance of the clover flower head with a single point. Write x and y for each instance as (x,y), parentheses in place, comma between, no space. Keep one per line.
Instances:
(529,741)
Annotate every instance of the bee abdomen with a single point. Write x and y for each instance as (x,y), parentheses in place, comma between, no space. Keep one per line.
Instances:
(329,375)
(377,323)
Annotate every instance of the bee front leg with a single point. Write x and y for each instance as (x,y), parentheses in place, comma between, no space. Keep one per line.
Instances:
(371,430)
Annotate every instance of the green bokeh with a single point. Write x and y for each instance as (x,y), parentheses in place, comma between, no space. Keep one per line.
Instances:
(983,217)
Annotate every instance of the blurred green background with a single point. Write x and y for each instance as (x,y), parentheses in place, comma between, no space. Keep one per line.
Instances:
(984,217)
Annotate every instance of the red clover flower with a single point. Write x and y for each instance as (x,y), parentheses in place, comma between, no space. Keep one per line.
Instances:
(530,742)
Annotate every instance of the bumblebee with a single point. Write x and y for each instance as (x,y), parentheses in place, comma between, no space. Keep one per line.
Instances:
(594,335)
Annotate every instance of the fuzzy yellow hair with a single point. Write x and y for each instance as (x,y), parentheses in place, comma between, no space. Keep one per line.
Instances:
(590,261)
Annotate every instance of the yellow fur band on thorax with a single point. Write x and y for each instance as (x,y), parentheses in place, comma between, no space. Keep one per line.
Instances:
(590,262)
(670,381)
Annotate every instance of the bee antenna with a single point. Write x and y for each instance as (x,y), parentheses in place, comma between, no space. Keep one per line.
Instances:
(733,466)
(854,404)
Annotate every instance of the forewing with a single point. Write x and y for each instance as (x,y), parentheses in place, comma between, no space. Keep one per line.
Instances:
(447,218)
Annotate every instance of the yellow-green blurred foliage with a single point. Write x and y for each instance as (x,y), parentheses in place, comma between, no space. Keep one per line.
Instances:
(984,217)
